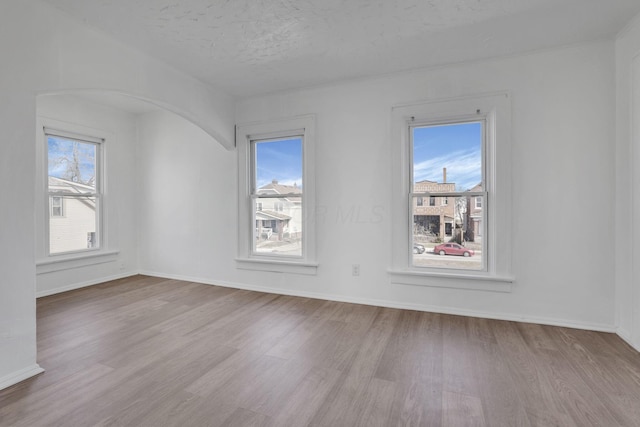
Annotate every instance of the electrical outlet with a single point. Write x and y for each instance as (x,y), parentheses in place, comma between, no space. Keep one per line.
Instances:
(355,270)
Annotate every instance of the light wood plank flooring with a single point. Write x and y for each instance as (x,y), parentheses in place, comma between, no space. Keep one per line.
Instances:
(145,351)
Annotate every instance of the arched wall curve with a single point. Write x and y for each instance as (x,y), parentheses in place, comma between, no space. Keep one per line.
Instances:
(197,118)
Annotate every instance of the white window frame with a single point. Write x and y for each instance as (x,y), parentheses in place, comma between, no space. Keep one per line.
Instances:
(246,133)
(495,110)
(97,194)
(478,199)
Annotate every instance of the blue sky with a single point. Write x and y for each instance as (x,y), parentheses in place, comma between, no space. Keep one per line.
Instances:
(457,147)
(279,159)
(61,154)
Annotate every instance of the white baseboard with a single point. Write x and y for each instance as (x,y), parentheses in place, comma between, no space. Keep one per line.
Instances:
(394,304)
(21,375)
(40,294)
(626,337)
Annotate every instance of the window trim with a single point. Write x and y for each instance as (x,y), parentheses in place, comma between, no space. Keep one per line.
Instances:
(496,107)
(282,128)
(98,193)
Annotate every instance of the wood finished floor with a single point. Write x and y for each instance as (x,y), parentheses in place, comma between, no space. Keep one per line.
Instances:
(145,351)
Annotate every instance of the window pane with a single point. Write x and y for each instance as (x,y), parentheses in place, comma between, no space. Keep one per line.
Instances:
(76,230)
(57,206)
(278,226)
(447,157)
(448,236)
(71,165)
(278,162)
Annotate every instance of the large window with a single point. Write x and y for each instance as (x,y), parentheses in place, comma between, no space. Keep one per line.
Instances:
(456,154)
(276,200)
(447,162)
(73,192)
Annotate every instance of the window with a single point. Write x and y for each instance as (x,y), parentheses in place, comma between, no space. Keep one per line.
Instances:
(276,180)
(419,201)
(277,185)
(74,192)
(447,159)
(458,151)
(57,208)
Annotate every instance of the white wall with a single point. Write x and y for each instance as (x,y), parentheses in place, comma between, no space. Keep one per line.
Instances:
(73,114)
(187,199)
(43,51)
(563,202)
(628,183)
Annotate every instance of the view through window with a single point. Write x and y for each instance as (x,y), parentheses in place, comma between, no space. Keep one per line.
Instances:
(277,194)
(73,193)
(447,169)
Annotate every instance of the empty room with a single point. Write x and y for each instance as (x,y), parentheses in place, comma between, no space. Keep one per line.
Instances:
(320,213)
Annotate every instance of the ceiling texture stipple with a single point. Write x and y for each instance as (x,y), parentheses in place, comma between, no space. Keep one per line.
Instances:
(250,47)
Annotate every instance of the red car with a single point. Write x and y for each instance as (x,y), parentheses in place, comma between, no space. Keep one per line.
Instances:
(452,249)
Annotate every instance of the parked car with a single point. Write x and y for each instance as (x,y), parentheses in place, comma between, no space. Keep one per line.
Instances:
(452,249)
(418,248)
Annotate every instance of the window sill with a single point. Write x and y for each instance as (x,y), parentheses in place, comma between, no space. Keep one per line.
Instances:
(277,266)
(68,262)
(476,282)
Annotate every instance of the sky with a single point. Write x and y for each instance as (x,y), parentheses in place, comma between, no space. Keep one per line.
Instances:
(457,147)
(279,159)
(61,155)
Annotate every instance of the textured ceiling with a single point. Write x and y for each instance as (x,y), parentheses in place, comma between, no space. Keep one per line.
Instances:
(249,47)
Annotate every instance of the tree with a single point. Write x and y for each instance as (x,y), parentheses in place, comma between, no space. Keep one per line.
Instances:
(77,159)
(459,217)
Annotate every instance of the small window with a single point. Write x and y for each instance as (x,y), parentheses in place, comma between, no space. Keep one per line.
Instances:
(57,207)
(478,202)
(258,206)
(419,201)
(74,192)
(432,201)
(444,201)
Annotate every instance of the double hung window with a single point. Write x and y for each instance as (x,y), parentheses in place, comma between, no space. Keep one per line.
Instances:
(455,154)
(276,200)
(277,184)
(73,192)
(447,163)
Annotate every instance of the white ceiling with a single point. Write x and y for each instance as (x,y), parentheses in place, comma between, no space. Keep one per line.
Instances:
(250,47)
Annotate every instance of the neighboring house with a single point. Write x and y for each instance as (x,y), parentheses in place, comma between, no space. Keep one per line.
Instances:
(279,217)
(434,214)
(72,220)
(474,213)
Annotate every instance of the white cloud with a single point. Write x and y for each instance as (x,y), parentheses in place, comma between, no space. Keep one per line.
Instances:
(463,168)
